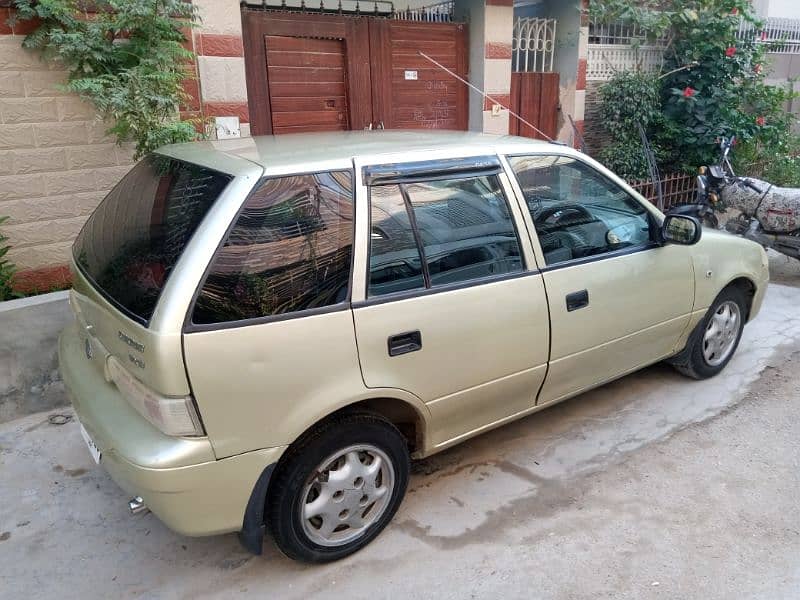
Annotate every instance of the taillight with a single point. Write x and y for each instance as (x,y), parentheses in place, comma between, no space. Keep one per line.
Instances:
(173,416)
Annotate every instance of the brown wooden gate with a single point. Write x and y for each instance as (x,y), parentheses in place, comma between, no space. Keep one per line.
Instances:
(534,97)
(327,72)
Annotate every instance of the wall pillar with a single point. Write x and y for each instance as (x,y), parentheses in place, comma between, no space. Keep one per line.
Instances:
(220,62)
(491,25)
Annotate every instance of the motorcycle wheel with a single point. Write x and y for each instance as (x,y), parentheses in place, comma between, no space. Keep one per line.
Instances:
(710,220)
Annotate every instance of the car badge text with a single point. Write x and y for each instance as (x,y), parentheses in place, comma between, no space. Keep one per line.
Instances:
(131,342)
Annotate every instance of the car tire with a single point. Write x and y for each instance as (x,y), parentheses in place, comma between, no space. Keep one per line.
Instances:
(712,344)
(354,469)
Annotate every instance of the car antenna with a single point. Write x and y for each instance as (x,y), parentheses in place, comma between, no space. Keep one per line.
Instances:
(487,96)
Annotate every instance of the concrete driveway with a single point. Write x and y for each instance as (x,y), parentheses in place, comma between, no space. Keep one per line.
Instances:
(654,486)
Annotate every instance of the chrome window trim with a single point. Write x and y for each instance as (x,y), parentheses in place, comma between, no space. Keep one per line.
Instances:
(450,287)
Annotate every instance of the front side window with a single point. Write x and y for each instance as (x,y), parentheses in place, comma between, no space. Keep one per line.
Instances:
(434,233)
(577,211)
(288,251)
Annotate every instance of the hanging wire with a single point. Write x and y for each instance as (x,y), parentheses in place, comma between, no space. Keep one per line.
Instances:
(487,96)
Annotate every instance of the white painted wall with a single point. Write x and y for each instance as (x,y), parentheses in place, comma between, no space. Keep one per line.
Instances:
(785,9)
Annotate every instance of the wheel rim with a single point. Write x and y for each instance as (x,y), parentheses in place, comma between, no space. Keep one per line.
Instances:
(346,494)
(721,333)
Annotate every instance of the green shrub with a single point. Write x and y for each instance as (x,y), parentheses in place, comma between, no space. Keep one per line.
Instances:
(630,98)
(713,85)
(127,59)
(778,163)
(7,268)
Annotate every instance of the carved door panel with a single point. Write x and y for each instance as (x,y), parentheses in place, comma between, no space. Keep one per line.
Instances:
(328,72)
(409,91)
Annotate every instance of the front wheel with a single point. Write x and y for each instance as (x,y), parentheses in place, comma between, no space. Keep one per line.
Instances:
(338,488)
(715,339)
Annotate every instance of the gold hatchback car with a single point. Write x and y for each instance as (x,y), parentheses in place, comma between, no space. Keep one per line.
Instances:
(268,329)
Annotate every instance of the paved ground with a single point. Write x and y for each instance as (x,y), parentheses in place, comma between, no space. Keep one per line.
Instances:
(651,487)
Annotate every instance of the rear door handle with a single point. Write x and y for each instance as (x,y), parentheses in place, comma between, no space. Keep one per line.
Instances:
(403,343)
(577,300)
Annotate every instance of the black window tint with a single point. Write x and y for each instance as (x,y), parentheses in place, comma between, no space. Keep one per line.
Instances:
(133,240)
(394,261)
(466,229)
(289,250)
(462,227)
(577,211)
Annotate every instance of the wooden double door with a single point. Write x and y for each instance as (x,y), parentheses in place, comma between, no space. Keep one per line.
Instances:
(328,73)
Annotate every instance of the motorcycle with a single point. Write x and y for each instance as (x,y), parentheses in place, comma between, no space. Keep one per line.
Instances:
(768,214)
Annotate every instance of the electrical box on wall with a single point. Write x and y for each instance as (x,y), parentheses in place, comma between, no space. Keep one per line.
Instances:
(227,128)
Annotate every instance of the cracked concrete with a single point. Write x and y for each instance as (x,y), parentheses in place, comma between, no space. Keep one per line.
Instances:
(651,486)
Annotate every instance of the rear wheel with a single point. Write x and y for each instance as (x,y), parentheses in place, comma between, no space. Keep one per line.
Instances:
(715,339)
(338,488)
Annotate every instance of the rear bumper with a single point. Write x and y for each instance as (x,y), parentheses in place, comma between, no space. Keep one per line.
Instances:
(179,479)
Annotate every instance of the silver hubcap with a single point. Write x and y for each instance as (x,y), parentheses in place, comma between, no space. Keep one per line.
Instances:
(346,494)
(721,333)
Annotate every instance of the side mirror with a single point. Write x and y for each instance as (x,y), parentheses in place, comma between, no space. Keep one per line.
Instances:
(681,229)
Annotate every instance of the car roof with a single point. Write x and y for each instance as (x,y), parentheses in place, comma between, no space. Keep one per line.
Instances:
(288,150)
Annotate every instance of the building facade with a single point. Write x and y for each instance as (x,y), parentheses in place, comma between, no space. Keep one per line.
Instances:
(290,65)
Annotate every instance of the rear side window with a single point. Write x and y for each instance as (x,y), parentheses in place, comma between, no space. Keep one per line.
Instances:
(288,251)
(434,233)
(131,243)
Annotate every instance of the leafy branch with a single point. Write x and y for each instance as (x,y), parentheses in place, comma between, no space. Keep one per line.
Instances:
(713,85)
(7,268)
(127,58)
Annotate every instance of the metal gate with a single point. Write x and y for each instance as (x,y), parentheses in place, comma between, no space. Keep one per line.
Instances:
(322,72)
(534,85)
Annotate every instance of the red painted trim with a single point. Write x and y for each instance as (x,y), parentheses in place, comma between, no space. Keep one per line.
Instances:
(192,88)
(579,127)
(504,99)
(499,2)
(188,35)
(213,44)
(5,28)
(228,109)
(44,279)
(497,50)
(18,27)
(580,84)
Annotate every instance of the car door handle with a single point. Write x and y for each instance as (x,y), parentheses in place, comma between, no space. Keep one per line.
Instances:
(403,343)
(577,300)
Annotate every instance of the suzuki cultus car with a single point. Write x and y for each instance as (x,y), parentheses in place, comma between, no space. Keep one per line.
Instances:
(267,330)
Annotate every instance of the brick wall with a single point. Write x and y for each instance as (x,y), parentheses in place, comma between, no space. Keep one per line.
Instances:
(56,163)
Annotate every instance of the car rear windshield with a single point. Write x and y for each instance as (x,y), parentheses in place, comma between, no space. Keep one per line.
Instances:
(131,243)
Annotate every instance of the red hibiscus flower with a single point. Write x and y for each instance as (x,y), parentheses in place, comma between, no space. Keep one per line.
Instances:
(761,121)
(730,51)
(734,11)
(757,69)
(689,92)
